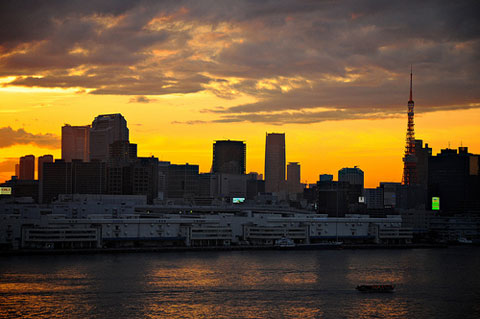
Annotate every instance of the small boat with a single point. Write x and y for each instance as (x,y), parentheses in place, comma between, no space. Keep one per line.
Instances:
(376,288)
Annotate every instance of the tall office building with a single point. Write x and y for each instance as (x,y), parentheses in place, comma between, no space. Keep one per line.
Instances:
(41,160)
(122,151)
(27,167)
(293,178)
(325,177)
(337,198)
(137,176)
(229,157)
(182,181)
(275,162)
(454,177)
(105,130)
(352,175)
(75,143)
(423,154)
(74,177)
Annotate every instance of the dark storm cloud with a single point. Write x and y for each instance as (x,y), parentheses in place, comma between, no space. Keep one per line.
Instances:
(10,137)
(350,57)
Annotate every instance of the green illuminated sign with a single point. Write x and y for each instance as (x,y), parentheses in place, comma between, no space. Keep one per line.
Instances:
(435,203)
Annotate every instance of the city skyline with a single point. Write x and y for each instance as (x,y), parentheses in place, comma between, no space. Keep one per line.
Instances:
(184,76)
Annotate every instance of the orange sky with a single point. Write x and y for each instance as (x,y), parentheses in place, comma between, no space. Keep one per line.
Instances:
(335,79)
(376,146)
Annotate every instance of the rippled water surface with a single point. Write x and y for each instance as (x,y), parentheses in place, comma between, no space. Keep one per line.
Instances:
(431,283)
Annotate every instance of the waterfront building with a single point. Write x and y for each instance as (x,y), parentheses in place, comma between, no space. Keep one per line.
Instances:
(95,221)
(229,157)
(275,162)
(75,143)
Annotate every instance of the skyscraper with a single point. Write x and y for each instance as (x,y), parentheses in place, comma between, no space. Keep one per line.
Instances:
(353,175)
(41,160)
(27,167)
(422,154)
(76,177)
(229,157)
(454,177)
(293,178)
(122,151)
(75,143)
(105,130)
(275,162)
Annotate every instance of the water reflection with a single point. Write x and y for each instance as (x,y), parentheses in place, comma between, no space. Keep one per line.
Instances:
(276,284)
(388,307)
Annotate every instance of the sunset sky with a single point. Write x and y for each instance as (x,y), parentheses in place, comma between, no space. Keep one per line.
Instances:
(332,75)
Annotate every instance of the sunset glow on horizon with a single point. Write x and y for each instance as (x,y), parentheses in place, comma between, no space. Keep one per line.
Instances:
(333,78)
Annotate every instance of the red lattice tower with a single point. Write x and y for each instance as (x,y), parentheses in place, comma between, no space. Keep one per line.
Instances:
(410,160)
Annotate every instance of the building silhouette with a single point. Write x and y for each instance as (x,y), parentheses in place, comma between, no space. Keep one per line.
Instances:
(454,177)
(40,161)
(325,177)
(105,130)
(27,167)
(182,181)
(275,162)
(75,177)
(422,154)
(293,178)
(337,198)
(229,157)
(122,151)
(75,143)
(255,185)
(353,175)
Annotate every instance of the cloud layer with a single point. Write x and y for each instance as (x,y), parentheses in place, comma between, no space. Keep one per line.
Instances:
(10,137)
(302,61)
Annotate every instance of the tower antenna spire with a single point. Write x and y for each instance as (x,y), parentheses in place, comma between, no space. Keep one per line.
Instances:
(411,80)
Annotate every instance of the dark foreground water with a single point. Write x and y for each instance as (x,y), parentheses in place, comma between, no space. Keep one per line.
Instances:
(431,283)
